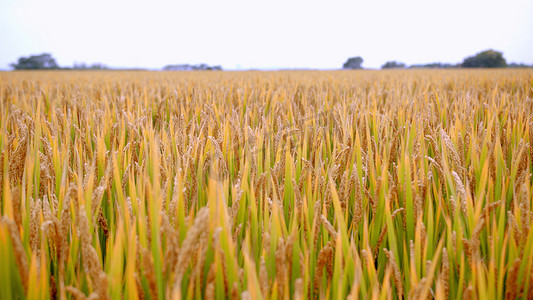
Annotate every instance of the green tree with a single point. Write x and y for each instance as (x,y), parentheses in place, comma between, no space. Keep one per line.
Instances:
(353,63)
(393,65)
(36,62)
(485,59)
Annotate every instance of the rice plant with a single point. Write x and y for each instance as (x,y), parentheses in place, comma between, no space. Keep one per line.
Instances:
(266,185)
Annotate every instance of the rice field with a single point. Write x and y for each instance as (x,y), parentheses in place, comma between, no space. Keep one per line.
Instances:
(410,184)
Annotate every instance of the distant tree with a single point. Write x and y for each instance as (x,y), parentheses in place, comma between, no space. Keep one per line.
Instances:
(98,66)
(518,65)
(485,59)
(84,66)
(187,67)
(183,67)
(436,65)
(79,66)
(393,65)
(36,62)
(353,63)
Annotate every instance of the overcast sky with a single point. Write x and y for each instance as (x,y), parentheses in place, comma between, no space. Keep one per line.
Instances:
(264,34)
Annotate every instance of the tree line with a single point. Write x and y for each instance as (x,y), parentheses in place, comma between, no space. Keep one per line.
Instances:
(45,61)
(484,59)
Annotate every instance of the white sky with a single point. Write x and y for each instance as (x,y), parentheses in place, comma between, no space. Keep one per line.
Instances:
(264,34)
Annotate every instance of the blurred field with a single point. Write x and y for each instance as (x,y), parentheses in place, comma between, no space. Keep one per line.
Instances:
(267,185)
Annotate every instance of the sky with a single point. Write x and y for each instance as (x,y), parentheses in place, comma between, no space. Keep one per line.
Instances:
(248,34)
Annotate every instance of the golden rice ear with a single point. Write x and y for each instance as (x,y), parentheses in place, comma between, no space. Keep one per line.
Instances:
(91,262)
(18,249)
(263,277)
(79,295)
(17,158)
(190,243)
(397,276)
(512,283)
(445,274)
(281,264)
(35,226)
(149,272)
(324,260)
(17,208)
(298,289)
(210,283)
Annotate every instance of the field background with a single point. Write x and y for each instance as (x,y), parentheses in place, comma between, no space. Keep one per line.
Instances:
(265,185)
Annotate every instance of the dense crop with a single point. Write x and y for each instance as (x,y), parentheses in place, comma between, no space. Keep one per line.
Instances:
(356,184)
